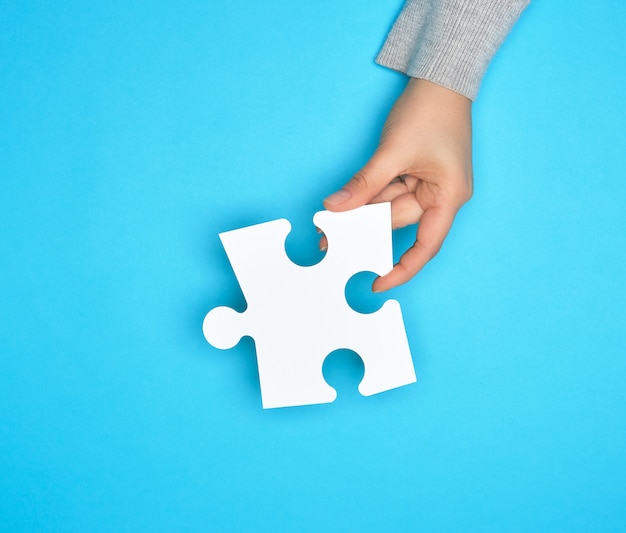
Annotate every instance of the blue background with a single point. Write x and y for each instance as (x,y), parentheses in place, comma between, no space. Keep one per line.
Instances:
(131,134)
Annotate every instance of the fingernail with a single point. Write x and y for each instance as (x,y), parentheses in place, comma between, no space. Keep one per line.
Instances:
(339,197)
(323,248)
(376,291)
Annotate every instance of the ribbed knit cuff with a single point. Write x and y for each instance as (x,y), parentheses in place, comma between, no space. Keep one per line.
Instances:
(449,42)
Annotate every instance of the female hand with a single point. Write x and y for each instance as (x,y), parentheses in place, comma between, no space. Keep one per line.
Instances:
(423,166)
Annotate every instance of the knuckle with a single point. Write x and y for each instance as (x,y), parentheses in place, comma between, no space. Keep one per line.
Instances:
(429,250)
(432,250)
(468,190)
(462,191)
(466,195)
(360,181)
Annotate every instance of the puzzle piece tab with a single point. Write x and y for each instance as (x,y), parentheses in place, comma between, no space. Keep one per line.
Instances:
(298,315)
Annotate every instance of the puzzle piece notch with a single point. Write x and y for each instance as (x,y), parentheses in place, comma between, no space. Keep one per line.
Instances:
(298,315)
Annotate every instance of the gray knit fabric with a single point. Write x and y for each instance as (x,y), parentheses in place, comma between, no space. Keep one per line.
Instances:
(449,42)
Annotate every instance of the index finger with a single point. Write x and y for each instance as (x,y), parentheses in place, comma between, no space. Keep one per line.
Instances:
(433,228)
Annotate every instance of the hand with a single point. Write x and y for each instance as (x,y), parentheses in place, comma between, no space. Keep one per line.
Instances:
(423,166)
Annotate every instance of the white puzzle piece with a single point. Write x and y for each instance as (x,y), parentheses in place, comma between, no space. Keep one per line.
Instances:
(298,315)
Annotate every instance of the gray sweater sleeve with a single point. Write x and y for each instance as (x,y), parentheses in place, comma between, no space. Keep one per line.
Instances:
(449,42)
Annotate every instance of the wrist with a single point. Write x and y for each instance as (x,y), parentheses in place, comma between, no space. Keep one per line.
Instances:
(438,94)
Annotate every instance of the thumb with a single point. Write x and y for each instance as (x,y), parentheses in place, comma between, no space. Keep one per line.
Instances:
(364,185)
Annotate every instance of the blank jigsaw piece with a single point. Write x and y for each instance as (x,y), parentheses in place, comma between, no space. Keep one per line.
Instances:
(298,315)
